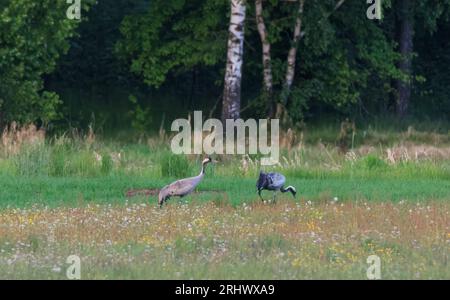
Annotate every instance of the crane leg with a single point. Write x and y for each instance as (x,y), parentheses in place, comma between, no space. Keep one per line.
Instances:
(259,193)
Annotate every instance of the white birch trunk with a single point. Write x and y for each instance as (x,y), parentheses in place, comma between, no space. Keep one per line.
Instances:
(233,73)
(290,72)
(266,59)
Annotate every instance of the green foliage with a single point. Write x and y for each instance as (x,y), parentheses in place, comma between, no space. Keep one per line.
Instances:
(431,94)
(91,61)
(341,57)
(429,13)
(140,117)
(346,63)
(33,35)
(174,36)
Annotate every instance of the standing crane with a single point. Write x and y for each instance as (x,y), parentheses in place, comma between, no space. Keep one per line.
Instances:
(182,187)
(273,182)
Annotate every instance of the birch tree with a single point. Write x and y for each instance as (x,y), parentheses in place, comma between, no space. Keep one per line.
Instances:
(290,70)
(231,103)
(266,56)
(292,55)
(291,58)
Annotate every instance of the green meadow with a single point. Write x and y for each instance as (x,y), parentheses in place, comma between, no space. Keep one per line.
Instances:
(90,90)
(71,191)
(69,171)
(97,199)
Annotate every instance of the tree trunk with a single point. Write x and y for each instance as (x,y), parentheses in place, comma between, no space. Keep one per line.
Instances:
(266,58)
(406,33)
(233,73)
(290,71)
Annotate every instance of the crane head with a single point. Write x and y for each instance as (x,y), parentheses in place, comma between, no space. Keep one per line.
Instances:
(163,195)
(206,160)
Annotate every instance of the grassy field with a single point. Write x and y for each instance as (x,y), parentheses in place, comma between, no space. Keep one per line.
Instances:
(203,241)
(389,195)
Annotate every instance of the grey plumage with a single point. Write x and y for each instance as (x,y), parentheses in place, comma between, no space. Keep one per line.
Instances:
(182,187)
(273,182)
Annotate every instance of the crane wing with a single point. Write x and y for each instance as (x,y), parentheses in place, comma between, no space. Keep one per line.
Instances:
(277,180)
(182,187)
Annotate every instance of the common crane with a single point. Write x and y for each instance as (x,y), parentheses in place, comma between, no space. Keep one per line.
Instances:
(182,187)
(273,182)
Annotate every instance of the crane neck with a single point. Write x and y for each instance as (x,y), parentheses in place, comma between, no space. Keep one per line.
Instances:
(202,171)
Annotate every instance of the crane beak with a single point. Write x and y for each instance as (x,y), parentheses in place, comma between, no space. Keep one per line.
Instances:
(211,160)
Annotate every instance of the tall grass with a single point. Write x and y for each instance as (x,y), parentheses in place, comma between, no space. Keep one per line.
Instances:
(174,165)
(87,156)
(32,160)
